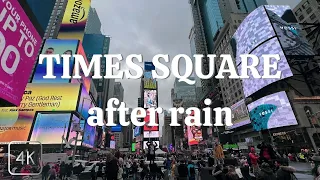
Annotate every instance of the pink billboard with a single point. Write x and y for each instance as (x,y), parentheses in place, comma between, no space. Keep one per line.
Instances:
(194,134)
(19,46)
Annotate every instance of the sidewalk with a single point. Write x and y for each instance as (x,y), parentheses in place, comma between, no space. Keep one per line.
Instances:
(301,167)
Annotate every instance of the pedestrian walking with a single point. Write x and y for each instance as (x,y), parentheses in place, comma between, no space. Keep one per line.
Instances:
(266,172)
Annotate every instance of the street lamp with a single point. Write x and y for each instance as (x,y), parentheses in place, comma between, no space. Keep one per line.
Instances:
(77,135)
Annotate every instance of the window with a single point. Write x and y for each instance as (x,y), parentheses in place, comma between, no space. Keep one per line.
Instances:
(309,10)
(298,12)
(301,17)
(312,17)
(305,5)
(239,21)
(235,26)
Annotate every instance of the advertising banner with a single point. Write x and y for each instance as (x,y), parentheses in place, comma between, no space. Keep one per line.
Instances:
(86,81)
(240,115)
(148,66)
(272,111)
(194,134)
(112,144)
(151,134)
(15,123)
(74,19)
(19,46)
(288,31)
(146,120)
(85,103)
(117,128)
(133,147)
(49,127)
(149,82)
(72,133)
(150,99)
(55,46)
(154,142)
(137,131)
(89,136)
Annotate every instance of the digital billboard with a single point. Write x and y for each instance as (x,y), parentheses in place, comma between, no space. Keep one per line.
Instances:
(288,30)
(147,119)
(89,136)
(74,19)
(137,131)
(116,128)
(194,134)
(86,81)
(55,46)
(240,115)
(254,30)
(150,99)
(154,142)
(151,134)
(272,111)
(133,147)
(15,123)
(72,133)
(85,103)
(49,127)
(252,85)
(149,82)
(20,43)
(112,144)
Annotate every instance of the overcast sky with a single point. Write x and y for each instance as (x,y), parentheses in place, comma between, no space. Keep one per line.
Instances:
(149,28)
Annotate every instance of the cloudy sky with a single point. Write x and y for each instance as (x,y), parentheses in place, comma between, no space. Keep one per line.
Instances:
(149,28)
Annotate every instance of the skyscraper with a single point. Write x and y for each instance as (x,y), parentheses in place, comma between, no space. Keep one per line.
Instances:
(119,94)
(42,11)
(93,25)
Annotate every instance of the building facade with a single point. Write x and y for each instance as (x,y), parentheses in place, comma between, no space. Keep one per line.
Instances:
(186,92)
(93,25)
(307,11)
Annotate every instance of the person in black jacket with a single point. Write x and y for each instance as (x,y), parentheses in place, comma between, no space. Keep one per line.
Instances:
(111,167)
(285,171)
(182,171)
(266,172)
(45,171)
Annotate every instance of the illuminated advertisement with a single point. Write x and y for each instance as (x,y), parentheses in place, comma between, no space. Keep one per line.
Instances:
(85,103)
(254,30)
(272,111)
(98,137)
(55,46)
(288,31)
(116,128)
(74,19)
(145,146)
(252,85)
(133,147)
(89,136)
(194,134)
(150,99)
(72,133)
(149,82)
(18,51)
(151,134)
(86,81)
(137,131)
(240,115)
(15,123)
(146,120)
(112,144)
(48,128)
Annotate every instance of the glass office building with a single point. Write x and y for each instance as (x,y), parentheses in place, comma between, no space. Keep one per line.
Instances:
(42,10)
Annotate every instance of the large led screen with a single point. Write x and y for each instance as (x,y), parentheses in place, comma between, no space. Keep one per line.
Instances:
(117,128)
(147,119)
(150,99)
(133,147)
(48,128)
(254,30)
(15,123)
(89,136)
(240,115)
(288,31)
(149,82)
(85,103)
(151,134)
(72,133)
(272,111)
(194,134)
(154,142)
(74,19)
(19,46)
(112,144)
(86,81)
(252,85)
(137,131)
(148,66)
(55,46)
